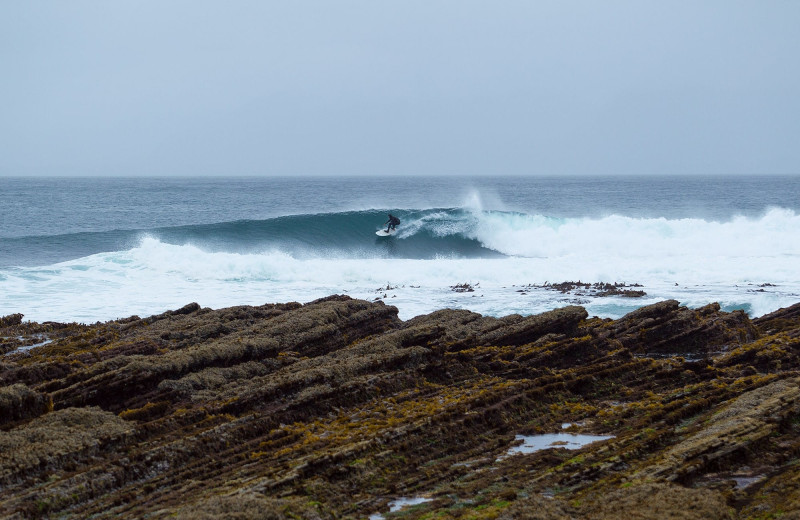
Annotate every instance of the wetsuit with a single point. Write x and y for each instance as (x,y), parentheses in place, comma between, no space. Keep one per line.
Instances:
(393,221)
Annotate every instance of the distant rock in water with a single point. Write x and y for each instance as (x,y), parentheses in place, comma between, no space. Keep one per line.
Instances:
(11,320)
(337,408)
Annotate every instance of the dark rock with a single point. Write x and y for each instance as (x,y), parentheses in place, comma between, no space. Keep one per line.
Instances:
(780,320)
(10,320)
(18,402)
(667,328)
(335,408)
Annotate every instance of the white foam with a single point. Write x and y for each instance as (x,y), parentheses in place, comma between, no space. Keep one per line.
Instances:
(691,260)
(776,233)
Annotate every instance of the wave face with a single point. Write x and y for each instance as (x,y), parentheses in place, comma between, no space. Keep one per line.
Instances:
(424,234)
(444,233)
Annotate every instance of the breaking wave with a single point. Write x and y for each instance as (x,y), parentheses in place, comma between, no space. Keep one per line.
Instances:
(748,263)
(441,233)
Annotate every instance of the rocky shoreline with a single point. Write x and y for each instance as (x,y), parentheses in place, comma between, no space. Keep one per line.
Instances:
(337,409)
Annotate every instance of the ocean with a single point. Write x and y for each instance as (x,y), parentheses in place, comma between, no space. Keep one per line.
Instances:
(95,249)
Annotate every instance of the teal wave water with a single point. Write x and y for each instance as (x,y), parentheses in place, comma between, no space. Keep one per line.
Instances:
(423,234)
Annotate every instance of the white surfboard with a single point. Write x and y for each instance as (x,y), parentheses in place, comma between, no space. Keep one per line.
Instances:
(384,233)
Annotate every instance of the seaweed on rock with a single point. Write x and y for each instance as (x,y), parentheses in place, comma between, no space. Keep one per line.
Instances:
(335,408)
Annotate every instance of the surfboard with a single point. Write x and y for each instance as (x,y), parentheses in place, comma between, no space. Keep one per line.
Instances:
(384,233)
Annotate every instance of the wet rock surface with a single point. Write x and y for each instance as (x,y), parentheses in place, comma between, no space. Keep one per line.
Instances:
(337,408)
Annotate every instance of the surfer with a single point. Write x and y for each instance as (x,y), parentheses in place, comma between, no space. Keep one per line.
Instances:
(393,221)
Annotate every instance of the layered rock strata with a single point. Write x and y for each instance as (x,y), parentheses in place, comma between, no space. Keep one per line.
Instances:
(336,408)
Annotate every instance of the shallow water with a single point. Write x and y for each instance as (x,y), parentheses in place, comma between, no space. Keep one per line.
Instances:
(399,504)
(568,441)
(25,348)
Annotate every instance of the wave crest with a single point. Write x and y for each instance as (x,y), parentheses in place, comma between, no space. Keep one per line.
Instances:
(444,233)
(777,232)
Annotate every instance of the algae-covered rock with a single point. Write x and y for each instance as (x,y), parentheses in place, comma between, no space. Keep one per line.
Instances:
(780,320)
(10,320)
(667,328)
(58,438)
(746,420)
(19,402)
(338,409)
(659,500)
(538,507)
(249,506)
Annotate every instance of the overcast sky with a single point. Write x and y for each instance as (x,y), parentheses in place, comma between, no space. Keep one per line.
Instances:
(193,87)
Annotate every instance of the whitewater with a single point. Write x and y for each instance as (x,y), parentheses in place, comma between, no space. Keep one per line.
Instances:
(492,261)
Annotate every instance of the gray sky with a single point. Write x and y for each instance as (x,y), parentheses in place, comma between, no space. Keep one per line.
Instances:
(193,87)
